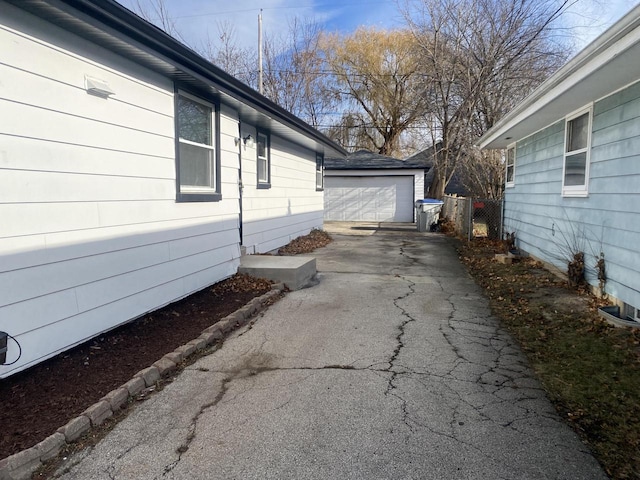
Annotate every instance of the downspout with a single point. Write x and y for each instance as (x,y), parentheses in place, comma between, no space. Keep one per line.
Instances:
(240,186)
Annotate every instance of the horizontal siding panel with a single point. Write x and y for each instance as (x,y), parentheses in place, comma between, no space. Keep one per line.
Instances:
(101,292)
(54,338)
(184,247)
(128,213)
(38,345)
(65,58)
(34,122)
(35,218)
(31,251)
(26,88)
(20,186)
(615,185)
(22,317)
(20,285)
(614,133)
(618,99)
(18,153)
(284,224)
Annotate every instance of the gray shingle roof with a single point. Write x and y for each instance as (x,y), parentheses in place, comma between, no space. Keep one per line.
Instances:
(366,160)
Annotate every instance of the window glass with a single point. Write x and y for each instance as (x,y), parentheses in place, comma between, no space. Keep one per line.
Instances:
(511,162)
(263,158)
(575,169)
(196,166)
(319,171)
(578,133)
(196,154)
(194,121)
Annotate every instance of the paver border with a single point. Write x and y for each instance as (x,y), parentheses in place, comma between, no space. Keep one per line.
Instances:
(21,465)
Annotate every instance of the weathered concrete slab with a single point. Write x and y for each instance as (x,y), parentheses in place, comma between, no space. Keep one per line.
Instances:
(391,367)
(294,272)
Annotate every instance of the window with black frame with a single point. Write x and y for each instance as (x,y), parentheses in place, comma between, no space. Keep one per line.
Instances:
(196,152)
(264,160)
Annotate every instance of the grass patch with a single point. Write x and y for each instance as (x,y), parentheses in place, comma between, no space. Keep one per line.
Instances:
(590,370)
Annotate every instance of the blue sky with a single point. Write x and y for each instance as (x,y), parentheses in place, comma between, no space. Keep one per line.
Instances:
(197,19)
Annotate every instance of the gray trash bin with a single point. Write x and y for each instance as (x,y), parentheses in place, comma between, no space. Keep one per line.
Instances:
(427,212)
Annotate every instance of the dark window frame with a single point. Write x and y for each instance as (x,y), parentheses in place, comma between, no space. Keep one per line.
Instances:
(319,171)
(215,194)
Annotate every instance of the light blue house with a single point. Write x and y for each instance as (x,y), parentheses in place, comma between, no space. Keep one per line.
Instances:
(573,163)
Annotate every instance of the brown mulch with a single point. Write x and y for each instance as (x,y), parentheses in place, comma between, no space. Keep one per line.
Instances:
(36,402)
(307,243)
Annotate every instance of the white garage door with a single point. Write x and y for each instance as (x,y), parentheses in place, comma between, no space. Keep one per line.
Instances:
(369,199)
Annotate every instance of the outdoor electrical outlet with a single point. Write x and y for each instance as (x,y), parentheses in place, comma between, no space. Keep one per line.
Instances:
(3,347)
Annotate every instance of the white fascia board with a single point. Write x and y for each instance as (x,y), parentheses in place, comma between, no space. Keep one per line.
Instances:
(560,94)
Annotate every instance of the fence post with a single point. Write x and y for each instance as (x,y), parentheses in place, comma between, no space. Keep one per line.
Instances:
(470,219)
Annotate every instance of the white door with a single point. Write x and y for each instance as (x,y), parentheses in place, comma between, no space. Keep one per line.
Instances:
(369,199)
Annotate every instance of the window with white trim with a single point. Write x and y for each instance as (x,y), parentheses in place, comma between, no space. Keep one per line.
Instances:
(575,175)
(263,151)
(510,175)
(197,169)
(319,171)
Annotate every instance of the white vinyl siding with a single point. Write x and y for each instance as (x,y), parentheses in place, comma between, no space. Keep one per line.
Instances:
(291,207)
(91,234)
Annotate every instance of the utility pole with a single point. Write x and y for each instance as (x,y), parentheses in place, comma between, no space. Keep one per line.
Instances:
(260,84)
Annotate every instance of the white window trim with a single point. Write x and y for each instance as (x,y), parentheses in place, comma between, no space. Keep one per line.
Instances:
(578,190)
(192,189)
(512,183)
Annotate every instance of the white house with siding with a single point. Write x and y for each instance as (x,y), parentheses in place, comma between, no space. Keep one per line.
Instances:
(573,163)
(132,173)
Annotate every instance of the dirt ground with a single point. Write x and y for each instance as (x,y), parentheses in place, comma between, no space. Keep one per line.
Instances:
(36,402)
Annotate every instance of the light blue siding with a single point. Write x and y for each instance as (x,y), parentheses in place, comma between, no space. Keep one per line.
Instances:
(548,225)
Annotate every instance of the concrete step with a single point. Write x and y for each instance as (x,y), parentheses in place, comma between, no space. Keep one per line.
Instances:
(295,272)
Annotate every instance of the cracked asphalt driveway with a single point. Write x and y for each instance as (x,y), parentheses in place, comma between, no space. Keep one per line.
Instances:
(391,367)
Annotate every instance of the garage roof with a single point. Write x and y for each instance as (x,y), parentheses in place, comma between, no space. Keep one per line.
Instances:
(366,160)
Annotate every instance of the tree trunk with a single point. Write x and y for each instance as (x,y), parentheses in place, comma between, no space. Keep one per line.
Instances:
(438,184)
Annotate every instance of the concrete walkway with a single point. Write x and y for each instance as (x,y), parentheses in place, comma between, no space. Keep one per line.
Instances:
(390,368)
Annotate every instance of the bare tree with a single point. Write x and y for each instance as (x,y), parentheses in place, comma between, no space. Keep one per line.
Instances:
(375,75)
(481,58)
(226,53)
(157,12)
(293,76)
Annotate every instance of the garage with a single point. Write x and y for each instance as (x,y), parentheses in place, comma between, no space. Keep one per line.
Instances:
(369,187)
(369,198)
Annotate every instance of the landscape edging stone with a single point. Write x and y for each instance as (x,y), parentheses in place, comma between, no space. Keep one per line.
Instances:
(21,465)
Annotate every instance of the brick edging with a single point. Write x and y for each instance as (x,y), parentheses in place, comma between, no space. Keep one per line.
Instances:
(21,465)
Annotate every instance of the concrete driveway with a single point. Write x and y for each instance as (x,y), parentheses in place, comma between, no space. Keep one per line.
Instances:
(390,368)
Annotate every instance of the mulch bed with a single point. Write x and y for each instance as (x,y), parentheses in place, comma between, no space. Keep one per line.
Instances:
(36,402)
